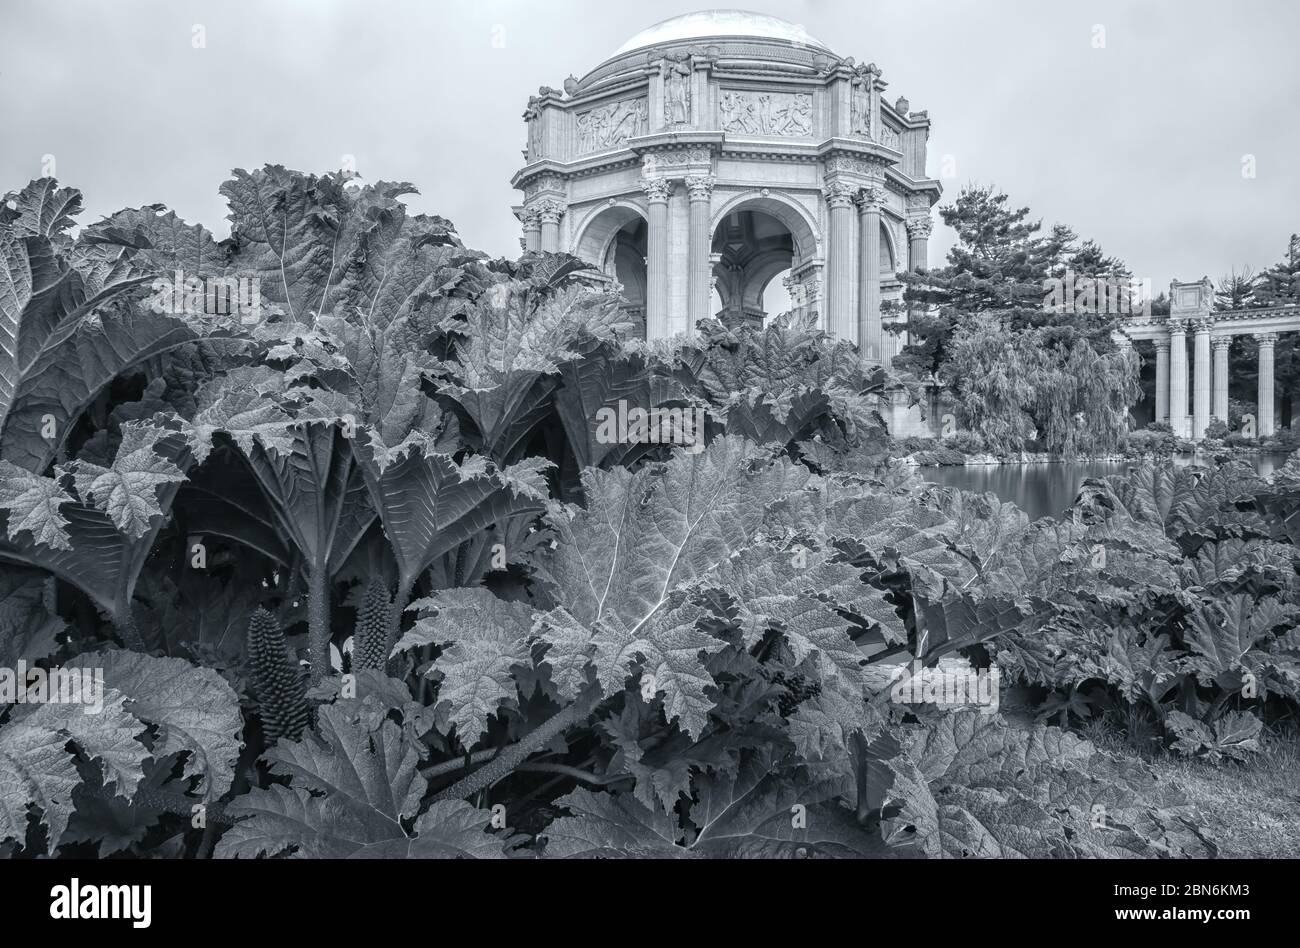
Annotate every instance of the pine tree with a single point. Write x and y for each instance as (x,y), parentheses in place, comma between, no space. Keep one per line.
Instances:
(1236,290)
(277,680)
(1280,285)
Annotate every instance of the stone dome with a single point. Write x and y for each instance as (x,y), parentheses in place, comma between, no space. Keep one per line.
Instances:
(721,24)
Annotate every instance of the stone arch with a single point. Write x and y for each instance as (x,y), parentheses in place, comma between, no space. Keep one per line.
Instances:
(599,228)
(795,218)
(762,271)
(613,237)
(889,244)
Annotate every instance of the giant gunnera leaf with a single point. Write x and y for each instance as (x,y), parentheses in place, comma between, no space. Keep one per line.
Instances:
(626,569)
(972,785)
(192,709)
(38,768)
(350,790)
(484,638)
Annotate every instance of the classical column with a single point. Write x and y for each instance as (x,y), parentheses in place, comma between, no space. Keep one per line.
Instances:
(1221,345)
(1201,379)
(1264,423)
(550,213)
(700,188)
(839,263)
(918,242)
(1162,380)
(1178,377)
(532,229)
(869,331)
(794,290)
(656,308)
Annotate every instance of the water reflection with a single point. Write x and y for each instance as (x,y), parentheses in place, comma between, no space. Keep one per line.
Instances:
(1043,490)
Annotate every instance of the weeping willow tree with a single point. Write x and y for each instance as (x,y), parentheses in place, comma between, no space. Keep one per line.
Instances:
(1028,375)
(1035,387)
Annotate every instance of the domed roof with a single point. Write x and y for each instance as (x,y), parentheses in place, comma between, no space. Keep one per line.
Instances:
(711,24)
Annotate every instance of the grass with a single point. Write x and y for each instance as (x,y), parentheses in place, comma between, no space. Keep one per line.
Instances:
(1252,809)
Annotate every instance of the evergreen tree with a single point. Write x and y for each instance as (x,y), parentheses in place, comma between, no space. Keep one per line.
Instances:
(1280,285)
(981,326)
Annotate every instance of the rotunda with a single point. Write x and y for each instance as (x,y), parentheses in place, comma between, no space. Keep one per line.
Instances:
(717,151)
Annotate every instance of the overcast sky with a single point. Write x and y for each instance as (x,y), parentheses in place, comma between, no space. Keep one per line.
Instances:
(1139,145)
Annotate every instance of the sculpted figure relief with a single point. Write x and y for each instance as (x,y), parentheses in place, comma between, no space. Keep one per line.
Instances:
(533,119)
(677,89)
(767,113)
(610,125)
(864,78)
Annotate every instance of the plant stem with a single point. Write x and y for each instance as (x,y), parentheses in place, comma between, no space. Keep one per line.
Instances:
(129,632)
(458,763)
(318,622)
(292,583)
(598,780)
(402,597)
(510,758)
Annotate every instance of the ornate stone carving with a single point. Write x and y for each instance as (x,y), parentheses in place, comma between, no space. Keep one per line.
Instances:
(1218,342)
(1162,345)
(869,198)
(676,73)
(848,164)
(676,159)
(549,212)
(1266,339)
(657,189)
(610,126)
(890,137)
(783,114)
(864,78)
(533,120)
(919,227)
(531,217)
(838,194)
(700,186)
(543,182)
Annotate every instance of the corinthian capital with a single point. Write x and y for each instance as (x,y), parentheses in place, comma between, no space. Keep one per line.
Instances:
(919,228)
(1220,342)
(869,198)
(657,189)
(700,186)
(838,194)
(550,212)
(1266,338)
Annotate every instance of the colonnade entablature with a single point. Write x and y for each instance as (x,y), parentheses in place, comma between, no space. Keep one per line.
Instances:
(1192,316)
(715,145)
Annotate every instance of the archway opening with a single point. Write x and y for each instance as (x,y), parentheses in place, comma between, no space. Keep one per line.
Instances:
(614,240)
(625,263)
(752,252)
(776,296)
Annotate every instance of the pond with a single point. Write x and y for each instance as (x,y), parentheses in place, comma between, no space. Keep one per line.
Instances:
(1046,490)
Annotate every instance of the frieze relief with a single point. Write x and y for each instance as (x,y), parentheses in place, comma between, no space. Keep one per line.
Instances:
(610,126)
(848,165)
(890,137)
(782,114)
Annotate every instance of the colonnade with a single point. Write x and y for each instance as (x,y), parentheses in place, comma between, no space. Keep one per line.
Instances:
(1208,379)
